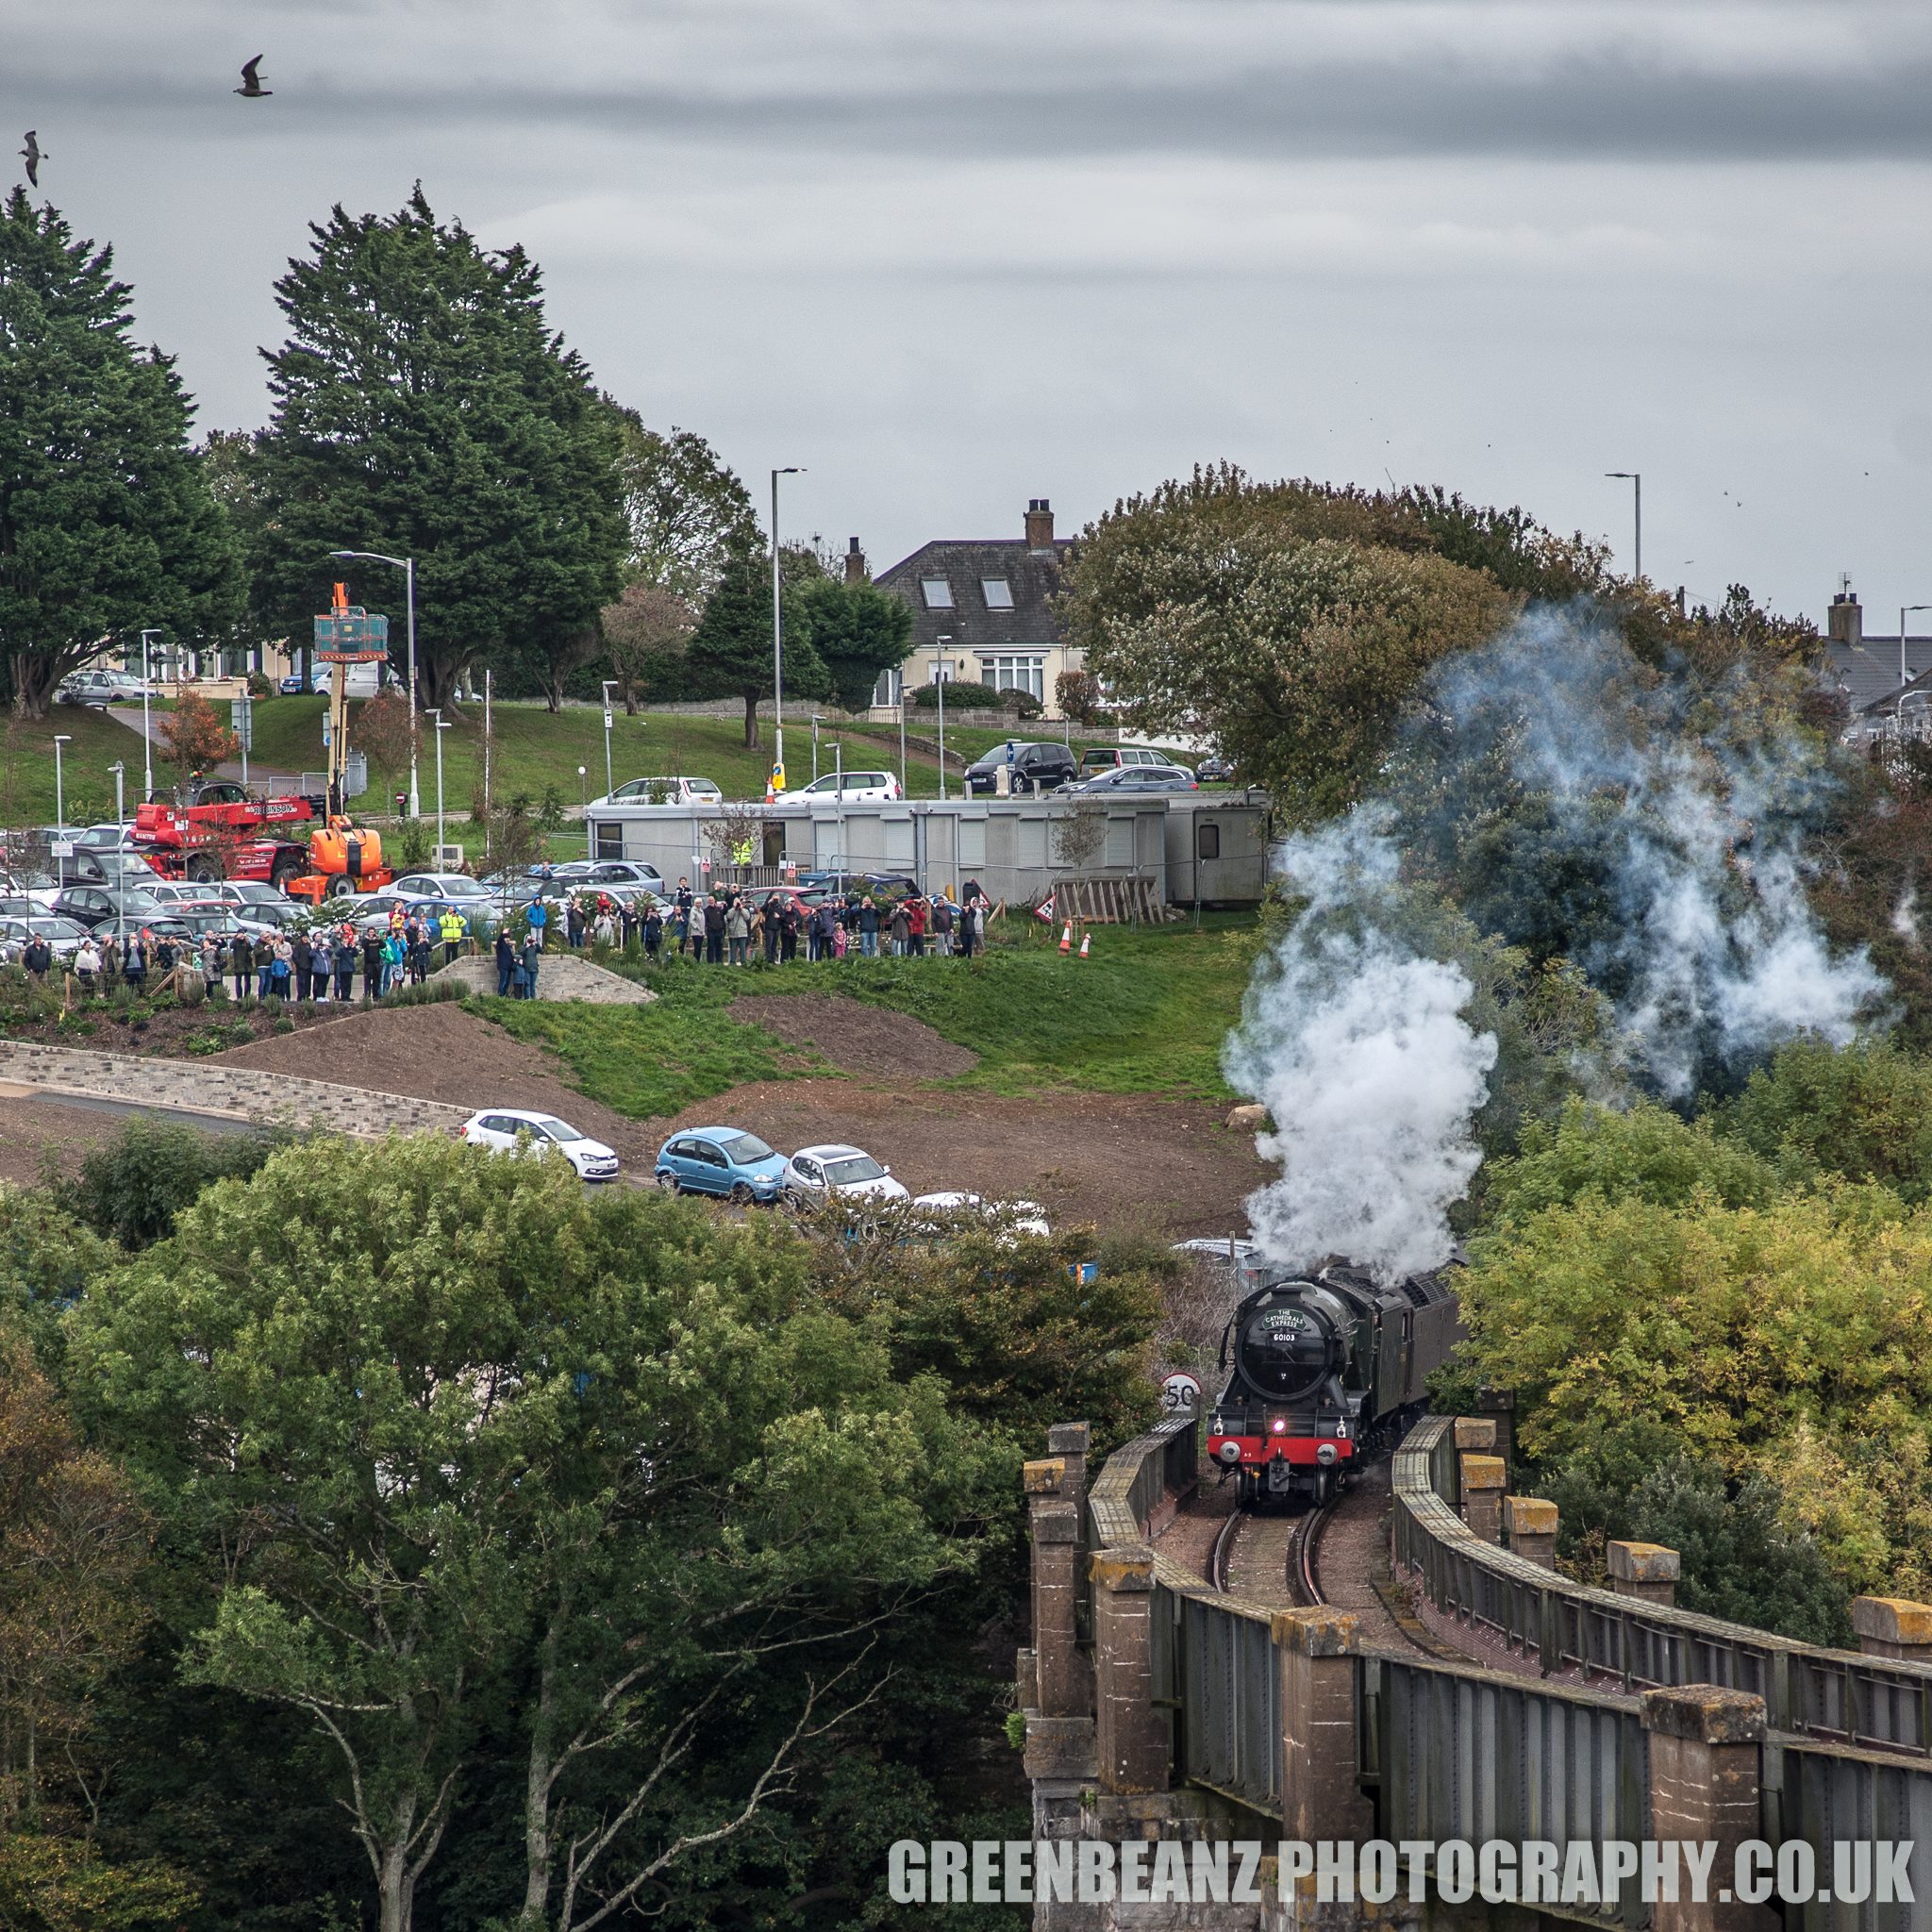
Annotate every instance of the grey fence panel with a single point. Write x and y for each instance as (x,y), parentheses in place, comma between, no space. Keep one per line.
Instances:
(1230,1694)
(1836,1695)
(1833,1798)
(1474,1756)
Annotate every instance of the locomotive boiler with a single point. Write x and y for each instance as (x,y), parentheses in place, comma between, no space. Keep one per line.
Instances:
(1324,1372)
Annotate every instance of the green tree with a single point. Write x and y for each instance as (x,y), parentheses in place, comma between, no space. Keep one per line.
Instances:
(682,506)
(857,632)
(1287,623)
(106,523)
(462,1431)
(424,407)
(730,652)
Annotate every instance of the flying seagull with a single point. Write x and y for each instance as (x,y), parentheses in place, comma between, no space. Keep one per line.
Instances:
(32,153)
(251,87)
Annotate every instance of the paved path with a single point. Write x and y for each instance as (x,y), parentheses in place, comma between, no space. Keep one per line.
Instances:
(563,975)
(234,1093)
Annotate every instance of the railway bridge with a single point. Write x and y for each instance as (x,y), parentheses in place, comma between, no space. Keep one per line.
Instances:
(1176,1690)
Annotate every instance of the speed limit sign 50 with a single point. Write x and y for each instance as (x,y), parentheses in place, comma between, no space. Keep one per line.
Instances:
(1180,1395)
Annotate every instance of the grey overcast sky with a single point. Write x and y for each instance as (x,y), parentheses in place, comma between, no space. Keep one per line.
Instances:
(954,254)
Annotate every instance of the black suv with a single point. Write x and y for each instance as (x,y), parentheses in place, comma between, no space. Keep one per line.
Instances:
(1035,768)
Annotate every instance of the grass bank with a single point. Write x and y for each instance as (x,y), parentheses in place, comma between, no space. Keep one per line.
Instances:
(1147,1013)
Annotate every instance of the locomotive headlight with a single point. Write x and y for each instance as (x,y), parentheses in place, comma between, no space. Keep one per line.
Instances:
(1229,1452)
(1326,1453)
(1280,1426)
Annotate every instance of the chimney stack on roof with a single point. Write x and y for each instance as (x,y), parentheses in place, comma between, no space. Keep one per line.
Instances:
(1846,622)
(856,572)
(1039,525)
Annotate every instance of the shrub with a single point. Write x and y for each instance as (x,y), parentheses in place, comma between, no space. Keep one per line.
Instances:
(131,1189)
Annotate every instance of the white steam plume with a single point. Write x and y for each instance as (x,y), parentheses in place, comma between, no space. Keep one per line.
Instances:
(1357,1049)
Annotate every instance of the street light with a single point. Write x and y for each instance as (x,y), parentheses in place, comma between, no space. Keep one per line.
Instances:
(442,725)
(407,566)
(60,737)
(1635,479)
(610,783)
(1902,678)
(147,753)
(939,679)
(584,800)
(119,769)
(778,640)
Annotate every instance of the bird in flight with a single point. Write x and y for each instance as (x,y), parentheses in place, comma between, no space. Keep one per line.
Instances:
(32,154)
(251,87)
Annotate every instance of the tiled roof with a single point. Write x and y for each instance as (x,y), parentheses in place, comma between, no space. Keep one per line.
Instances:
(966,564)
(1867,671)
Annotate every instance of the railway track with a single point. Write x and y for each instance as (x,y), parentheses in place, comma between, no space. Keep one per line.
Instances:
(1270,1555)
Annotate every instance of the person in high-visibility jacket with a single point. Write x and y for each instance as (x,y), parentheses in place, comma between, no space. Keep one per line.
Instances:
(451,924)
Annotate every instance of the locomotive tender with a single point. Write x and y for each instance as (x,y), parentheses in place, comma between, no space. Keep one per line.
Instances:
(1328,1369)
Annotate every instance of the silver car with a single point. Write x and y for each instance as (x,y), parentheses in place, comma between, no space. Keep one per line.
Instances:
(816,1174)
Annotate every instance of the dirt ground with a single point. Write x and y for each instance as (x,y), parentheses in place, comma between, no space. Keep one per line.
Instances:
(441,1053)
(1115,1158)
(32,1129)
(860,1039)
(1169,1166)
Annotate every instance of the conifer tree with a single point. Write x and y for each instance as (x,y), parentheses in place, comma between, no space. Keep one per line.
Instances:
(424,407)
(730,652)
(106,525)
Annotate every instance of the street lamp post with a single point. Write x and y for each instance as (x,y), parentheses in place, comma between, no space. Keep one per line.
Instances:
(778,640)
(584,801)
(610,783)
(60,737)
(407,566)
(939,679)
(119,767)
(1905,676)
(1636,481)
(442,725)
(147,750)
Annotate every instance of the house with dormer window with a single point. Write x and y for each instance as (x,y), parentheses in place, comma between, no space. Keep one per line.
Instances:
(982,611)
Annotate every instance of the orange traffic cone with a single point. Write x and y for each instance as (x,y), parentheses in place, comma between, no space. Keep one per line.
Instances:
(771,792)
(1066,937)
(1086,940)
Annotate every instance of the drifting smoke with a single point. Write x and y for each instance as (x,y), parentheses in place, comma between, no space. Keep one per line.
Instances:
(1904,917)
(1357,1049)
(1566,802)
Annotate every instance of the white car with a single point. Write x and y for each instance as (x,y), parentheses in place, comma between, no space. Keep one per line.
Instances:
(862,788)
(184,891)
(661,791)
(64,936)
(107,838)
(1021,1216)
(455,885)
(512,1130)
(816,1174)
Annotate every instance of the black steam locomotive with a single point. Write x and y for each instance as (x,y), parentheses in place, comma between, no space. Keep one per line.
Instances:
(1326,1373)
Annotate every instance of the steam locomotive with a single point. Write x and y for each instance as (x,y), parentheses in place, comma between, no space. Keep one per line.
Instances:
(1327,1371)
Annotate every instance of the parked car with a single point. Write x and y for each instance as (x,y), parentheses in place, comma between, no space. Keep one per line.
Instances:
(291,687)
(1214,770)
(621,878)
(859,788)
(181,891)
(1036,767)
(721,1160)
(223,921)
(1111,757)
(674,791)
(63,935)
(1138,778)
(97,906)
(1020,1217)
(455,885)
(816,1174)
(106,838)
(514,1130)
(101,687)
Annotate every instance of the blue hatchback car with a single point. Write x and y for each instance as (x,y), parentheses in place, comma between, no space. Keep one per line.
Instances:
(719,1160)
